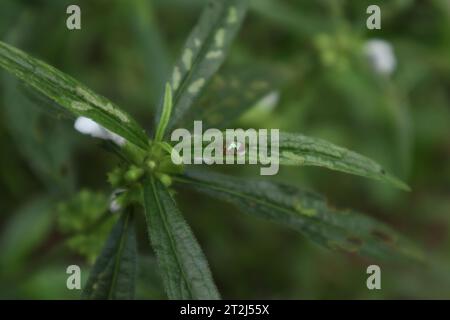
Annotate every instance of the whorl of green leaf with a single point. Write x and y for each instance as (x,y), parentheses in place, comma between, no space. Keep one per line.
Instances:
(204,52)
(308,213)
(183,266)
(113,275)
(70,94)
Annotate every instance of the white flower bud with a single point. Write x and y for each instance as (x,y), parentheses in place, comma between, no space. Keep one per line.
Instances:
(381,56)
(89,127)
(114,205)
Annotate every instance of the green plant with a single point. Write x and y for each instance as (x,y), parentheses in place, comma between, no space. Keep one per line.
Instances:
(149,176)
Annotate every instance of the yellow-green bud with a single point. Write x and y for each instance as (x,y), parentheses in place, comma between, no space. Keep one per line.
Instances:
(151,164)
(134,173)
(165,180)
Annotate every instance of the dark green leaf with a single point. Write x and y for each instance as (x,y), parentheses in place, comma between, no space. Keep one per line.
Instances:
(183,266)
(114,272)
(230,94)
(307,213)
(44,144)
(70,94)
(204,52)
(300,150)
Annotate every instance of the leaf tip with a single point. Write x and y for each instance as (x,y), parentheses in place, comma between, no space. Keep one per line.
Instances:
(398,183)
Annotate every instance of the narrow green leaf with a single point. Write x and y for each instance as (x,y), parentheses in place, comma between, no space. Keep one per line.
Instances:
(184,268)
(307,213)
(230,94)
(204,52)
(165,116)
(300,150)
(70,94)
(45,145)
(114,272)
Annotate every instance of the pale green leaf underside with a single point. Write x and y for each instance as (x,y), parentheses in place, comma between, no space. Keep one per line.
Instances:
(70,94)
(113,275)
(183,266)
(306,212)
(205,50)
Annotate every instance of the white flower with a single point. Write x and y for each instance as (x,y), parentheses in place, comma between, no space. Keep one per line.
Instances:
(381,56)
(92,128)
(114,205)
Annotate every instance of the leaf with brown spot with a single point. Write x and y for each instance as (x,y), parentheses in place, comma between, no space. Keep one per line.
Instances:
(305,212)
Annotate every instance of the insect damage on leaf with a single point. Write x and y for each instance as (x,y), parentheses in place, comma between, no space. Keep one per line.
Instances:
(96,101)
(220,38)
(213,54)
(176,78)
(204,52)
(196,86)
(80,106)
(226,98)
(300,150)
(70,94)
(232,15)
(187,59)
(307,213)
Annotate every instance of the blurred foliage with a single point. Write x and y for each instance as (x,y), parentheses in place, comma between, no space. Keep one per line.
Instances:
(86,221)
(123,52)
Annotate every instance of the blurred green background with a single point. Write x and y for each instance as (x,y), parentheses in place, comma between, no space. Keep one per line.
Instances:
(53,180)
